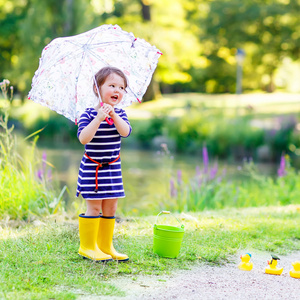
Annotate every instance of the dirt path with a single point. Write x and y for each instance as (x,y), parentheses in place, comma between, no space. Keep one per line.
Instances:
(211,282)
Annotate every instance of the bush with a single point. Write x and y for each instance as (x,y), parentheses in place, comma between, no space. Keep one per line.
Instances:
(225,136)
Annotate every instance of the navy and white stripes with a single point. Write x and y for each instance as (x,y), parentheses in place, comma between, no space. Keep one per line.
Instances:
(103,148)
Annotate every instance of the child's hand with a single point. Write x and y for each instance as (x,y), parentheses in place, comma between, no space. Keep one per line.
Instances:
(103,111)
(112,113)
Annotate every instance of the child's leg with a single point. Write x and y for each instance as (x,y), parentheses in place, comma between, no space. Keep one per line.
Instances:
(106,230)
(93,207)
(88,233)
(109,207)
(89,230)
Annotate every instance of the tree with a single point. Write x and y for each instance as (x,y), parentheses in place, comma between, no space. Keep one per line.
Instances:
(163,24)
(267,30)
(38,23)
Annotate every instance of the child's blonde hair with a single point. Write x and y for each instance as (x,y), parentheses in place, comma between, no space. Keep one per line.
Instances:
(103,73)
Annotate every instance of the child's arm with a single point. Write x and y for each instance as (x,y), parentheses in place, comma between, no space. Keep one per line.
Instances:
(88,133)
(122,127)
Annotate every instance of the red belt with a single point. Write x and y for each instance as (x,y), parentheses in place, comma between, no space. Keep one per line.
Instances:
(99,165)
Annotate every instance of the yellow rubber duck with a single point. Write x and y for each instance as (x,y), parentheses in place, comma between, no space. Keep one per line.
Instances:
(296,271)
(272,268)
(245,265)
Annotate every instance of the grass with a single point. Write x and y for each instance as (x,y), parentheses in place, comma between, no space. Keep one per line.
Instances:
(175,104)
(26,185)
(40,261)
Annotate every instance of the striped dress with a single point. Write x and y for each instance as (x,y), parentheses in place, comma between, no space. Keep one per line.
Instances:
(104,148)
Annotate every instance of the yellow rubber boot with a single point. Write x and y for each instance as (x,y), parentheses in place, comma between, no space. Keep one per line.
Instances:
(88,232)
(105,238)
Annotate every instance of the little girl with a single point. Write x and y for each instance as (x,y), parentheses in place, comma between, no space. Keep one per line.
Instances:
(100,178)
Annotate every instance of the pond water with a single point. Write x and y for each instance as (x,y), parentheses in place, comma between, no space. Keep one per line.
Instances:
(146,175)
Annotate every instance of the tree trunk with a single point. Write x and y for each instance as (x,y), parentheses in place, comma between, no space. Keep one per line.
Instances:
(271,86)
(152,92)
(146,10)
(68,20)
(153,89)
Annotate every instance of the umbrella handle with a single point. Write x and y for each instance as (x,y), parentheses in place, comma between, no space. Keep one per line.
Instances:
(109,121)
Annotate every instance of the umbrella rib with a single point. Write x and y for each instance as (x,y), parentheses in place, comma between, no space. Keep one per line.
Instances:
(63,56)
(71,60)
(82,59)
(98,57)
(93,54)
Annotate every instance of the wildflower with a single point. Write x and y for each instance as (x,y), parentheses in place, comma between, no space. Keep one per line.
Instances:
(205,159)
(214,171)
(44,159)
(179,177)
(5,82)
(49,175)
(43,172)
(173,191)
(4,85)
(282,171)
(39,174)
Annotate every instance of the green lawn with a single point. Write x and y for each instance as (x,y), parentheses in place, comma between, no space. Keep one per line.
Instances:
(174,104)
(40,261)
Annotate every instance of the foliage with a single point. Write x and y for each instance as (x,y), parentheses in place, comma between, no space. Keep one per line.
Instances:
(26,190)
(211,188)
(30,25)
(31,117)
(29,255)
(198,38)
(229,129)
(224,136)
(188,121)
(147,131)
(266,30)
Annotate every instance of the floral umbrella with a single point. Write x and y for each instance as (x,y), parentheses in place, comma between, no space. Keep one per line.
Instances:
(65,77)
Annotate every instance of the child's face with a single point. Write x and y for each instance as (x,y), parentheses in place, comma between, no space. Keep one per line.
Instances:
(113,89)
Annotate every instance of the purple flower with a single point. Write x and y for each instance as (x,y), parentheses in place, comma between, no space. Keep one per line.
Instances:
(44,160)
(179,177)
(205,159)
(213,171)
(282,171)
(43,173)
(49,175)
(39,174)
(173,191)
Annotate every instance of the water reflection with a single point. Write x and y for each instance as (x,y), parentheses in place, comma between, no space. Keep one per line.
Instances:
(146,175)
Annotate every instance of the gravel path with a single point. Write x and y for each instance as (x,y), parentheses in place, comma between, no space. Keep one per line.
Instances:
(213,282)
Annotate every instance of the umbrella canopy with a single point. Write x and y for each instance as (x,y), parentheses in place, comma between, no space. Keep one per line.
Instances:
(65,77)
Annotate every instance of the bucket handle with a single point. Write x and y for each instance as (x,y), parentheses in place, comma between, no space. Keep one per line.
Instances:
(168,213)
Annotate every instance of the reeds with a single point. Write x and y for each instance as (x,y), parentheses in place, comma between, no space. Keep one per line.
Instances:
(212,188)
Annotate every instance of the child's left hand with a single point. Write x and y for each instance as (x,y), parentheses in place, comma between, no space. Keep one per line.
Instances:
(112,113)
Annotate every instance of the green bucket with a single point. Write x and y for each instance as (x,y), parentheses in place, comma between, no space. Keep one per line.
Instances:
(167,239)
